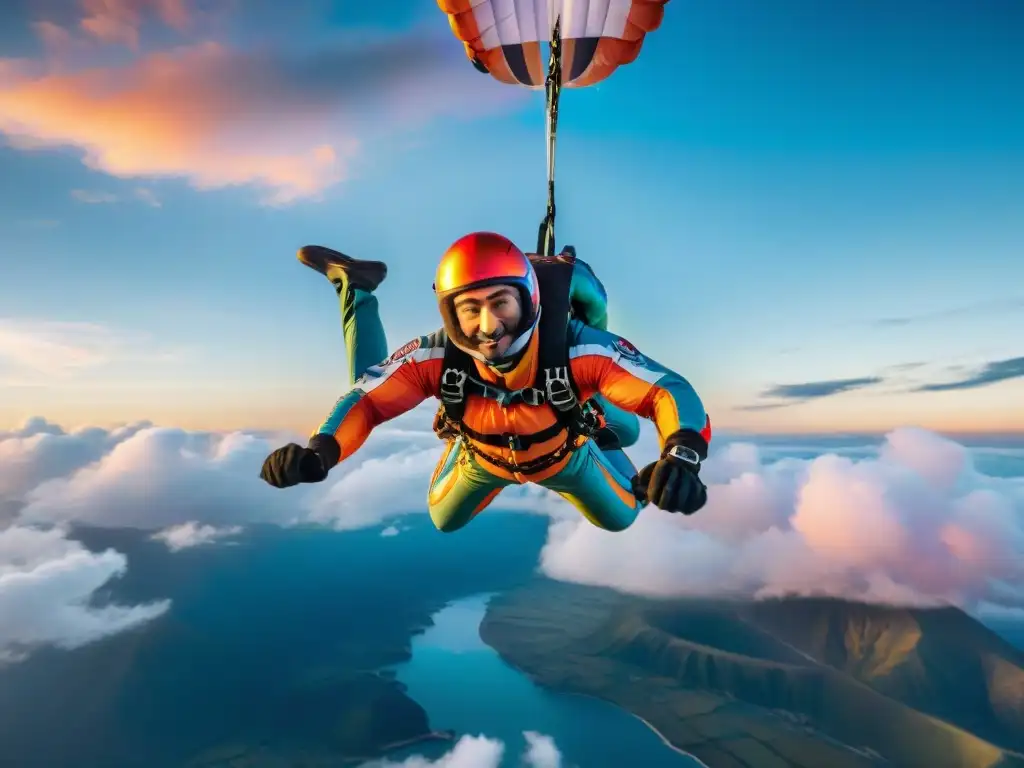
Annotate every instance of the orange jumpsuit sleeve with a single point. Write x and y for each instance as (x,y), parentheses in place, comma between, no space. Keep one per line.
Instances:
(385,391)
(608,364)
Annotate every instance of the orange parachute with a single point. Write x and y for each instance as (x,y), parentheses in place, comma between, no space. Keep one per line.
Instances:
(587,39)
(504,37)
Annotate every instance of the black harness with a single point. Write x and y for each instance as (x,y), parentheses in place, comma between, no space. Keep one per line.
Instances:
(553,386)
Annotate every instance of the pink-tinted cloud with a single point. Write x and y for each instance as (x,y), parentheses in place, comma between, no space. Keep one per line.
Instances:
(118,21)
(290,123)
(914,523)
(56,38)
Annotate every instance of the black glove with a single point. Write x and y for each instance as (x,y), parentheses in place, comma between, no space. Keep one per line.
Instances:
(294,464)
(671,483)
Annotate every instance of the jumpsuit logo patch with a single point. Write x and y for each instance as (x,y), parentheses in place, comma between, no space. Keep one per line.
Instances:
(629,352)
(404,351)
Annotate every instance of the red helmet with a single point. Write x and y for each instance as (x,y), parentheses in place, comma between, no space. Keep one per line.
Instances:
(477,260)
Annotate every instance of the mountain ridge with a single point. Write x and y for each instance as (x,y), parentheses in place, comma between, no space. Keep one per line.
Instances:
(786,682)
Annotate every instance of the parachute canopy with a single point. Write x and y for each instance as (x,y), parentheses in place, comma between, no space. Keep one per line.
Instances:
(503,37)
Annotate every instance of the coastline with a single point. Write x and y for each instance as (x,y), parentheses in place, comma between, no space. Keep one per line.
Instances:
(388,749)
(659,734)
(443,735)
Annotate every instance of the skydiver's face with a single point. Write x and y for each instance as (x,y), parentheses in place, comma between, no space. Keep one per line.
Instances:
(489,316)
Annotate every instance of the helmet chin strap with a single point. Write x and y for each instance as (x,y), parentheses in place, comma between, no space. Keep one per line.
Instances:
(515,348)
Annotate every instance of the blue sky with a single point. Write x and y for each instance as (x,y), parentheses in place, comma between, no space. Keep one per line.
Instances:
(820,201)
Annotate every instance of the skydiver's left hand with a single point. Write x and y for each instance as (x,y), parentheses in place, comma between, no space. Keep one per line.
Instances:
(672,483)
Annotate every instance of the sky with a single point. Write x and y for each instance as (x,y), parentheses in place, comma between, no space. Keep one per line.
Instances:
(814,212)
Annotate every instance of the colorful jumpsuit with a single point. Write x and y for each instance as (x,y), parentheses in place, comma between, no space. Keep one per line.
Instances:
(464,482)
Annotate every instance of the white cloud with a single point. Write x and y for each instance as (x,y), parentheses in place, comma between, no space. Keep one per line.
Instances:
(541,751)
(389,532)
(37,352)
(46,581)
(914,523)
(39,451)
(191,534)
(484,752)
(157,477)
(160,477)
(376,488)
(148,196)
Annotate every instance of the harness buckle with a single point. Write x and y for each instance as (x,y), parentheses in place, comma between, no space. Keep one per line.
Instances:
(453,385)
(559,389)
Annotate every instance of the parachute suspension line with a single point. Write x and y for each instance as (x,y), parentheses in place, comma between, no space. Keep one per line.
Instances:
(553,89)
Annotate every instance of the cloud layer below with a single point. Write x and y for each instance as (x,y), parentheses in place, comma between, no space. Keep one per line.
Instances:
(908,520)
(46,582)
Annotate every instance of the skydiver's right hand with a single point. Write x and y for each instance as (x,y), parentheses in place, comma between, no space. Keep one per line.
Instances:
(291,465)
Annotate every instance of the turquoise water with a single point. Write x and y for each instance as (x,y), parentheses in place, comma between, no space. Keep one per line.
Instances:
(465,686)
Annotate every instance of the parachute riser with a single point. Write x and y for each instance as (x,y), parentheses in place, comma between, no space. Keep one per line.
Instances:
(553,89)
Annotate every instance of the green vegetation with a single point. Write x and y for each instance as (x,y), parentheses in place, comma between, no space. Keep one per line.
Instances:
(787,683)
(374,717)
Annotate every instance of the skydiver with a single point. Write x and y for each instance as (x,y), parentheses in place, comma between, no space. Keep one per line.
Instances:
(510,414)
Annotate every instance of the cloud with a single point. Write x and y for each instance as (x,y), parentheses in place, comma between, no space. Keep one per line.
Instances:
(35,352)
(289,121)
(52,348)
(56,38)
(160,477)
(994,372)
(815,389)
(790,394)
(118,21)
(389,532)
(39,451)
(910,519)
(984,307)
(541,751)
(191,534)
(156,477)
(148,197)
(46,583)
(97,197)
(93,197)
(484,752)
(914,523)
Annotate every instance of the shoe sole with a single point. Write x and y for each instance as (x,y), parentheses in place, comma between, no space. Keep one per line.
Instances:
(321,258)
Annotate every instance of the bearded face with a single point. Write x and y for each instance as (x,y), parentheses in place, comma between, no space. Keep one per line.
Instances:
(489,317)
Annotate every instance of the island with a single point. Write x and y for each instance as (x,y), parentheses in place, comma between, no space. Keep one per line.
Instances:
(786,683)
